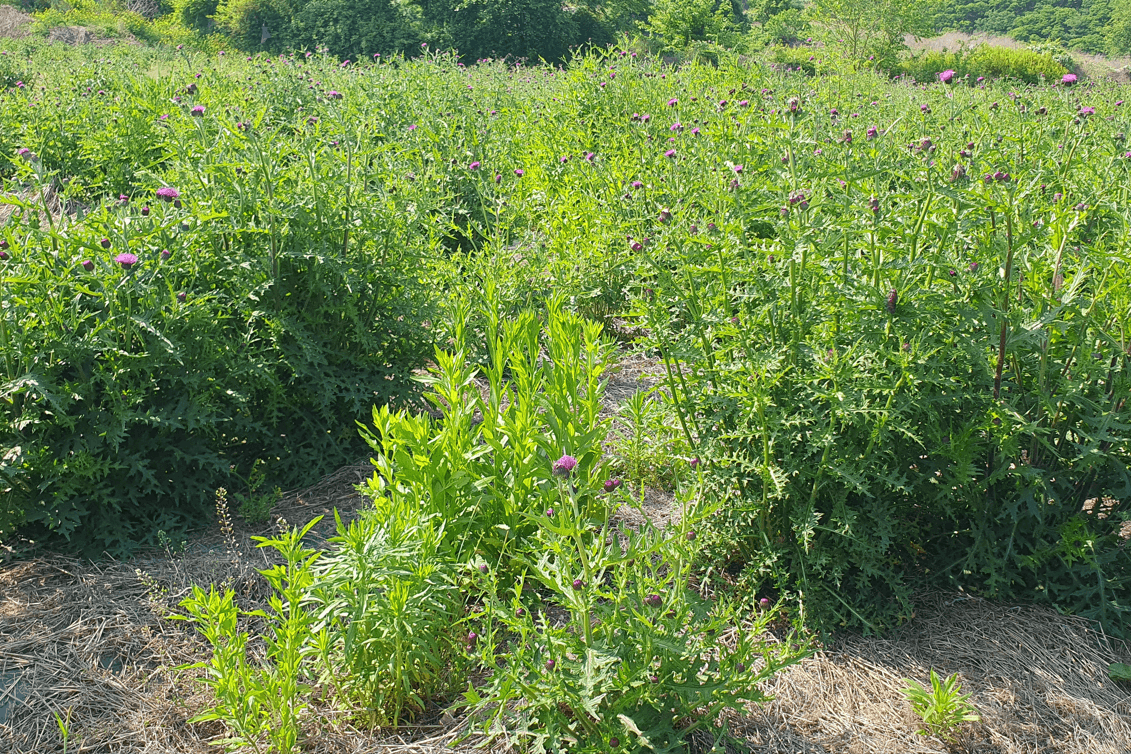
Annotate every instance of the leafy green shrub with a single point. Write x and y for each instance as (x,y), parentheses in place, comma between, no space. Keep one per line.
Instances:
(795,59)
(137,384)
(647,442)
(195,14)
(355,30)
(384,605)
(533,408)
(259,701)
(1002,62)
(984,61)
(861,422)
(639,663)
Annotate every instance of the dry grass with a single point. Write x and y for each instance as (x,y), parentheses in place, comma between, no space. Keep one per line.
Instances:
(13,23)
(92,641)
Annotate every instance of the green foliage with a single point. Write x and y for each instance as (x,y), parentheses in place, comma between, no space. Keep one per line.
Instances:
(1118,33)
(638,664)
(131,393)
(260,701)
(384,606)
(874,30)
(943,708)
(1118,671)
(795,59)
(256,505)
(535,410)
(984,61)
(1079,24)
(648,445)
(788,27)
(356,30)
(1002,62)
(678,23)
(195,14)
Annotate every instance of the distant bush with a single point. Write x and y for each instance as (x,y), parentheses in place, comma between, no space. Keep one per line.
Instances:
(986,61)
(795,58)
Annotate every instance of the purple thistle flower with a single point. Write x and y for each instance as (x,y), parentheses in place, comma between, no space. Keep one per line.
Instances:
(550,665)
(677,127)
(498,177)
(87,265)
(578,584)
(946,76)
(764,602)
(519,172)
(1068,79)
(105,243)
(673,102)
(168,194)
(165,254)
(333,93)
(872,132)
(3,256)
(973,267)
(565,465)
(412,127)
(126,259)
(197,111)
(181,297)
(473,166)
(637,184)
(653,600)
(669,154)
(1086,111)
(123,199)
(588,156)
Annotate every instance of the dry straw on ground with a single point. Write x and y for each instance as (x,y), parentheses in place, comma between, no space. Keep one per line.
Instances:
(90,641)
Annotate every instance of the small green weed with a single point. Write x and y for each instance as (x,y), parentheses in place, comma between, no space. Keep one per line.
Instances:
(943,709)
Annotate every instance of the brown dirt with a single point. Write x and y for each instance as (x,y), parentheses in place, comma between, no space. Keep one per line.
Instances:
(92,641)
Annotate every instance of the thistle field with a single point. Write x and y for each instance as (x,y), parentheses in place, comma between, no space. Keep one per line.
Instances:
(884,330)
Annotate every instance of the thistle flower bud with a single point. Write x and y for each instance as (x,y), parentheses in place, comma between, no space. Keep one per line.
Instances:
(892,301)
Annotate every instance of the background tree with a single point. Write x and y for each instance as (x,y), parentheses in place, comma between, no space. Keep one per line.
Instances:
(875,28)
(678,23)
